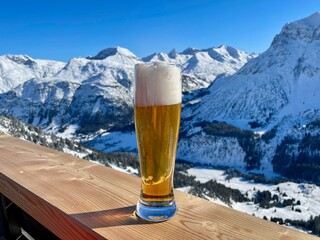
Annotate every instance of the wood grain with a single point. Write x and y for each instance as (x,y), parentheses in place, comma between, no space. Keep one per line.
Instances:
(76,199)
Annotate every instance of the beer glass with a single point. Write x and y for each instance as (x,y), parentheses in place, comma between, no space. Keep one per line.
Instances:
(157,109)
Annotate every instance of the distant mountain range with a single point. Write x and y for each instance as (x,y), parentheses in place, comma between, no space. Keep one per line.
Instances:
(201,67)
(93,93)
(16,69)
(258,113)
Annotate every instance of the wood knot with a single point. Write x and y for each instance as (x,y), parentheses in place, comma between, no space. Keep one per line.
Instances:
(209,226)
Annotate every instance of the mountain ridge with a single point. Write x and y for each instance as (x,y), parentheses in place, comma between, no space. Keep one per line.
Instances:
(204,64)
(16,69)
(89,93)
(273,79)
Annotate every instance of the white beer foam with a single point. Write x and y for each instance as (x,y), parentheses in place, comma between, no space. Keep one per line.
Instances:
(157,84)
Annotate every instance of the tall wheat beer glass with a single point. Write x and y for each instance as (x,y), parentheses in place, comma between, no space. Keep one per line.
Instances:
(157,109)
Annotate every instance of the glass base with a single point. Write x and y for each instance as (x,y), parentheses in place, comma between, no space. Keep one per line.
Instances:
(156,213)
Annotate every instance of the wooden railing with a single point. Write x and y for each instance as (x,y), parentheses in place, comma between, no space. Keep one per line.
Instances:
(77,199)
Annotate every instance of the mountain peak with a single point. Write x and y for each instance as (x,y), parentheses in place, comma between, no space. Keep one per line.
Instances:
(111,52)
(149,58)
(311,21)
(172,53)
(306,30)
(21,59)
(227,48)
(230,50)
(190,51)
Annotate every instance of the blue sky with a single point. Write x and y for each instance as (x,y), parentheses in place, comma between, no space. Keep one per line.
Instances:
(61,30)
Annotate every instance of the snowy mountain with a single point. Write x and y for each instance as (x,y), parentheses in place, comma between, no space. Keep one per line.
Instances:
(87,94)
(16,69)
(283,81)
(273,103)
(200,67)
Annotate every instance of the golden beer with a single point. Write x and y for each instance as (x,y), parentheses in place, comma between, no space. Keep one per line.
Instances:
(157,110)
(157,129)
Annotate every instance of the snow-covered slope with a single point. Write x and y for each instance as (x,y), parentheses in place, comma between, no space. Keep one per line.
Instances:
(222,152)
(95,93)
(276,94)
(204,65)
(307,195)
(284,80)
(91,93)
(16,69)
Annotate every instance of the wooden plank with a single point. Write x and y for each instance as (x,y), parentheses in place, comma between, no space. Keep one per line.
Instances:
(76,199)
